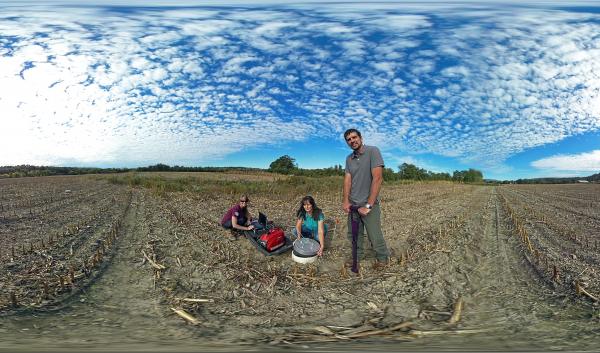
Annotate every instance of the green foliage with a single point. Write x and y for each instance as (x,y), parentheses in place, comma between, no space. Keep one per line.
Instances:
(412,172)
(336,170)
(33,171)
(160,167)
(389,175)
(408,171)
(439,176)
(468,176)
(284,165)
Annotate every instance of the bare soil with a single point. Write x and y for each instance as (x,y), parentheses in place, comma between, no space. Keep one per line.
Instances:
(119,262)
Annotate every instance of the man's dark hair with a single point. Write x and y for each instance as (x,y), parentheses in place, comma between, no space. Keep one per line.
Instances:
(349,131)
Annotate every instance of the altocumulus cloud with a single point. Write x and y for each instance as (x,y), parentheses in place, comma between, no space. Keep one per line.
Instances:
(584,162)
(186,85)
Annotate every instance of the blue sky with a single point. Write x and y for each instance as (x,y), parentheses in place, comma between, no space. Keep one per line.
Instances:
(511,89)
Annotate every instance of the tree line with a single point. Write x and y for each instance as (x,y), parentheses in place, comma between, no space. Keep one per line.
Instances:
(287,165)
(594,178)
(407,171)
(282,165)
(32,171)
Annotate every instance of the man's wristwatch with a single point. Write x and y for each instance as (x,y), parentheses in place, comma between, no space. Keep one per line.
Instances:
(368,205)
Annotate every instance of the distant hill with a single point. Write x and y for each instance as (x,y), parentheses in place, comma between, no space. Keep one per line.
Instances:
(594,178)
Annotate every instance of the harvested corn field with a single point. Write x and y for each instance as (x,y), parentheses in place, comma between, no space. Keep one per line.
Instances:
(115,262)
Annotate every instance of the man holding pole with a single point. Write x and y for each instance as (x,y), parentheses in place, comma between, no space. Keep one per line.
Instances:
(362,183)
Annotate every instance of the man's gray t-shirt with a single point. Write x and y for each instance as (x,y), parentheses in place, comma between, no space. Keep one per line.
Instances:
(359,166)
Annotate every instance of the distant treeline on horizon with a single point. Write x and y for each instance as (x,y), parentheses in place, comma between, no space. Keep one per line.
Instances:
(32,170)
(595,178)
(286,165)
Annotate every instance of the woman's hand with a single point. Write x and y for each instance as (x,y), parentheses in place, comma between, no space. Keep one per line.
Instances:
(299,228)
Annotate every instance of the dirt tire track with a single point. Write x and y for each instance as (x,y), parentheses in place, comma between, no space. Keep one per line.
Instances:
(120,306)
(502,278)
(503,293)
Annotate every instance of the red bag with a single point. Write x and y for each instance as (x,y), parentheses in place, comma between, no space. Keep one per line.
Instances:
(273,239)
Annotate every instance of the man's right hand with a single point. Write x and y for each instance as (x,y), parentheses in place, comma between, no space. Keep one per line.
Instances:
(346,206)
(363,211)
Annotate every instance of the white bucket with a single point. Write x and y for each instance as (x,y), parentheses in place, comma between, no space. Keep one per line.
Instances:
(303,260)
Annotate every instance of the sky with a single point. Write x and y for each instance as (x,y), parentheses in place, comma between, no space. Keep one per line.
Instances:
(511,89)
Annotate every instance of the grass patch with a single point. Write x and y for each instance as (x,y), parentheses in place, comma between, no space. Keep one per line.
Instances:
(295,185)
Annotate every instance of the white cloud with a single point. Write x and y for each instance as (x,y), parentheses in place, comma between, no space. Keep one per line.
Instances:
(206,27)
(273,29)
(583,162)
(401,23)
(486,87)
(387,67)
(455,71)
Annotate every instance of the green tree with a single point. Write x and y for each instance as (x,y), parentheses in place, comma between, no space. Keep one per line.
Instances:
(439,176)
(284,165)
(473,176)
(412,172)
(468,176)
(458,175)
(389,175)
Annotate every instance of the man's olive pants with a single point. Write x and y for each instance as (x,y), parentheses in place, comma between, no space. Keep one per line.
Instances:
(372,223)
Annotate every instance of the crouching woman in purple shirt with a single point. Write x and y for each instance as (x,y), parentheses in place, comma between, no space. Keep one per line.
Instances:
(238,217)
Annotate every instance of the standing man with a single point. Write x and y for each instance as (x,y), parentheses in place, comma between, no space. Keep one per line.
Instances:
(362,183)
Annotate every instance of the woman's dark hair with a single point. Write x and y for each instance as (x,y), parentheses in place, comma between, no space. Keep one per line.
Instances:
(245,198)
(316,211)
